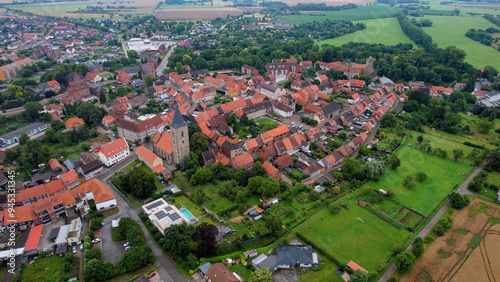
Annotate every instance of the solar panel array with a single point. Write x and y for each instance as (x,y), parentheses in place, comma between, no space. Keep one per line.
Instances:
(174,216)
(160,214)
(168,208)
(152,206)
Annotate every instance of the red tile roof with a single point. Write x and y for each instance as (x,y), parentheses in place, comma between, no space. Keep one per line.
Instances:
(146,154)
(114,148)
(34,238)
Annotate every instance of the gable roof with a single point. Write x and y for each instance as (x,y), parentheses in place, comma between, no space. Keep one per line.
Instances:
(146,154)
(164,142)
(114,147)
(100,190)
(290,255)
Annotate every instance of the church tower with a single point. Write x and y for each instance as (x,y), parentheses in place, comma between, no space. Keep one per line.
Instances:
(179,137)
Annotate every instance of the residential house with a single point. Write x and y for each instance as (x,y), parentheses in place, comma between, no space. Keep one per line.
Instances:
(249,70)
(150,159)
(272,91)
(114,152)
(242,161)
(92,77)
(73,122)
(91,169)
(138,131)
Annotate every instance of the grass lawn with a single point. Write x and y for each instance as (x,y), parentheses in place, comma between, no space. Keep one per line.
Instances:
(347,238)
(450,31)
(477,138)
(442,176)
(362,13)
(241,270)
(159,186)
(264,121)
(445,144)
(44,269)
(326,274)
(196,211)
(386,31)
(110,212)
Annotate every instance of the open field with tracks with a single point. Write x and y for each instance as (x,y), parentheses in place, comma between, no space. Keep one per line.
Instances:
(362,13)
(450,31)
(385,31)
(205,13)
(466,252)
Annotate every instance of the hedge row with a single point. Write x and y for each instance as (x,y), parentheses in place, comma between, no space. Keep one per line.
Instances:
(474,145)
(228,209)
(324,252)
(384,217)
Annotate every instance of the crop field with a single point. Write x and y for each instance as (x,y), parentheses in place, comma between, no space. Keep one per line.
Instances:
(450,31)
(385,31)
(354,234)
(362,13)
(442,176)
(466,252)
(206,13)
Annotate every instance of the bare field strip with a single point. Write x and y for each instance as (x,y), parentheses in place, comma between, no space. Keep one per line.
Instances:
(451,256)
(201,13)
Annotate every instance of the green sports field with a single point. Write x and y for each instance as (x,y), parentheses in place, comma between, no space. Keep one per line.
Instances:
(367,242)
(362,13)
(385,31)
(442,176)
(450,31)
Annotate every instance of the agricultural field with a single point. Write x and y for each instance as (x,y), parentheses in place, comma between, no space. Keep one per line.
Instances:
(466,251)
(205,13)
(362,13)
(450,31)
(385,31)
(442,176)
(353,234)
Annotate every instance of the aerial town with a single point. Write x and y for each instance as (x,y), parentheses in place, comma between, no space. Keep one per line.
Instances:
(245,147)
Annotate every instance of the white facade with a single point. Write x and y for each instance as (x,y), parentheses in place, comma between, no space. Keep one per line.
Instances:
(106,205)
(112,159)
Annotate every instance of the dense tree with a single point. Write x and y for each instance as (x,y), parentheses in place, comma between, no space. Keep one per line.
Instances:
(97,270)
(458,201)
(261,275)
(33,153)
(359,276)
(148,81)
(198,143)
(201,176)
(274,224)
(102,97)
(394,162)
(264,186)
(206,238)
(404,262)
(142,183)
(177,239)
(374,169)
(193,128)
(421,176)
(90,113)
(418,247)
(458,154)
(33,110)
(484,126)
(23,138)
(408,182)
(352,169)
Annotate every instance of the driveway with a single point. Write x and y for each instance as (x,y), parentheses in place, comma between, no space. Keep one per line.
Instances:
(111,251)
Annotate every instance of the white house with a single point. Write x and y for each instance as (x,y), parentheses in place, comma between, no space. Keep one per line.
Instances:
(103,198)
(114,152)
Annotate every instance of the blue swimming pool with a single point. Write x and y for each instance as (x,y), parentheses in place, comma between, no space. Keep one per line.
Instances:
(186,213)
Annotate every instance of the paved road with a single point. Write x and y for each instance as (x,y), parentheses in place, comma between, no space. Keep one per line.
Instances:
(20,110)
(462,190)
(164,62)
(172,273)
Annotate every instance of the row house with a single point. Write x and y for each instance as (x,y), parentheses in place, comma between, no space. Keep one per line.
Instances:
(123,79)
(249,70)
(282,68)
(272,91)
(271,171)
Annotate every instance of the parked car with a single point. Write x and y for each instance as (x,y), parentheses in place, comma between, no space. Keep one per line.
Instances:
(126,244)
(81,247)
(151,274)
(74,249)
(96,240)
(127,249)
